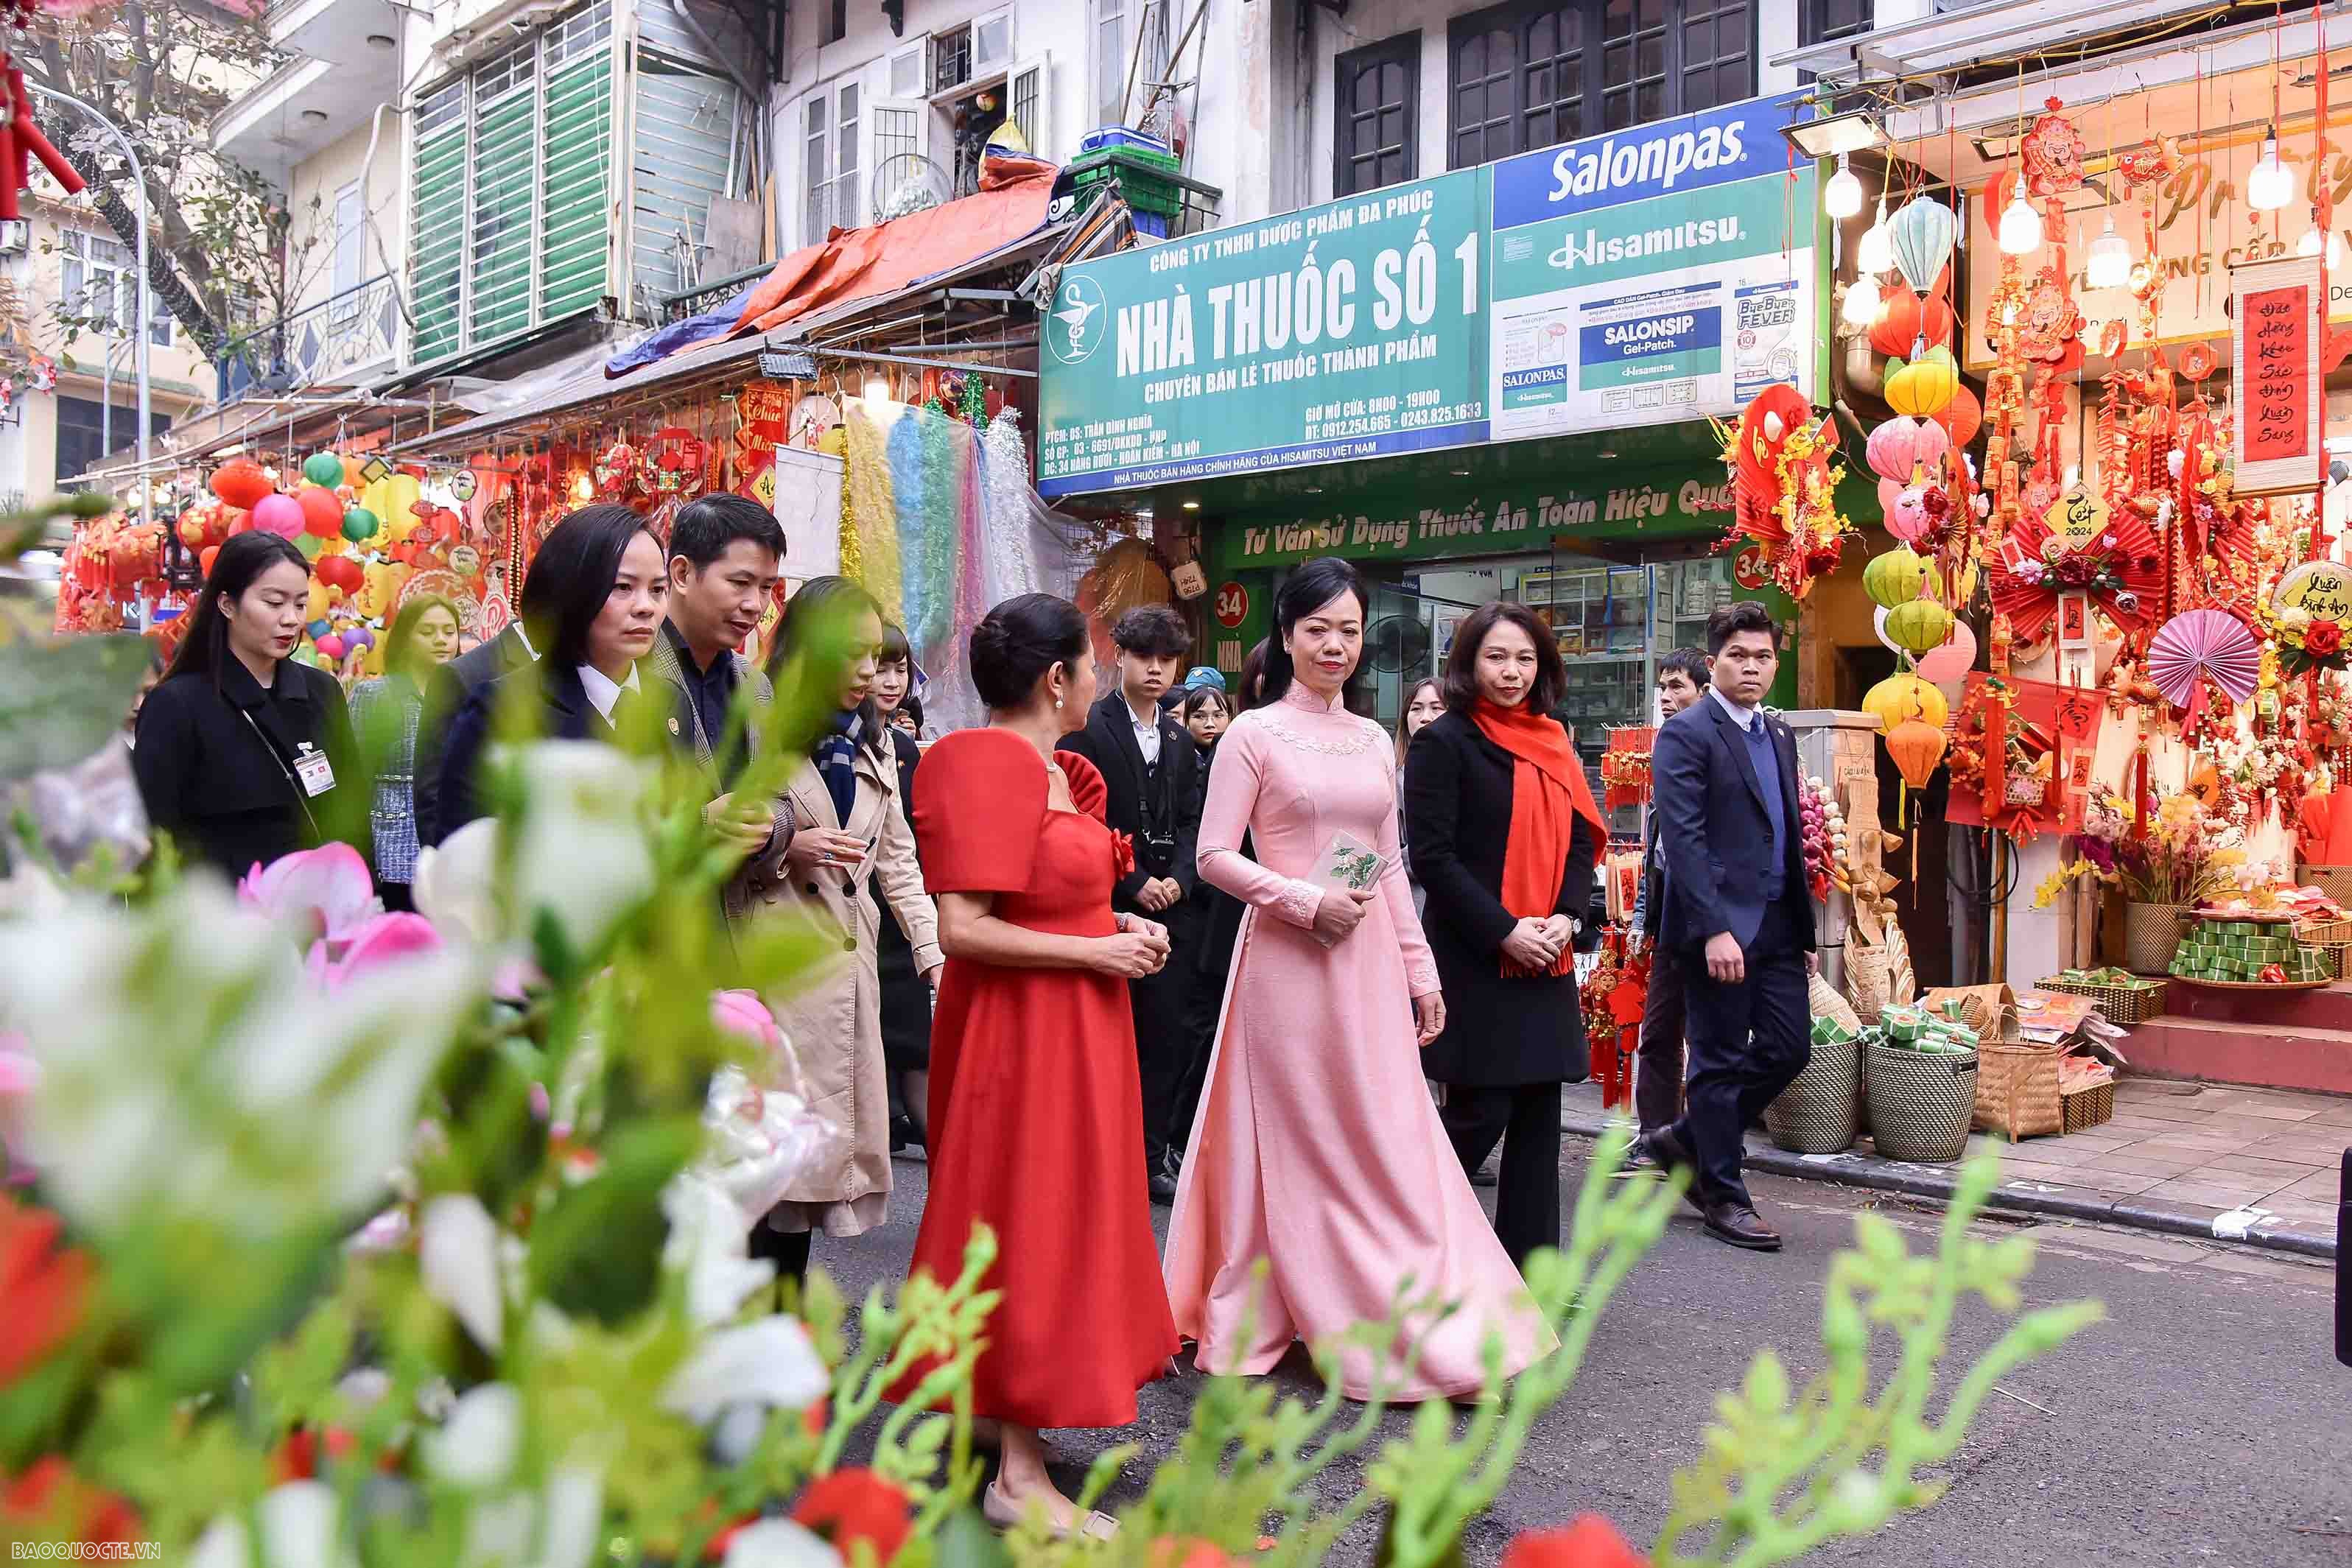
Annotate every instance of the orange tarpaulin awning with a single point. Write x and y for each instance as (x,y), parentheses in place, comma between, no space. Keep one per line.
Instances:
(857,263)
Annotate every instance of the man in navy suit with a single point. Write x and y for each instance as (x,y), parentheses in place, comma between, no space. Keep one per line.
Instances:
(1736,913)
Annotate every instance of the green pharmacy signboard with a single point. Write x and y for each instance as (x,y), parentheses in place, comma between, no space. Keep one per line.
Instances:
(1656,275)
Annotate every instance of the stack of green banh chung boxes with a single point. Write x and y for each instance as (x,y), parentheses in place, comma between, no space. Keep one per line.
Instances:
(2247,952)
(1920,1028)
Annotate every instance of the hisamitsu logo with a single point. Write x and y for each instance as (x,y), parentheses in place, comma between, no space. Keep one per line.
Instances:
(1078,323)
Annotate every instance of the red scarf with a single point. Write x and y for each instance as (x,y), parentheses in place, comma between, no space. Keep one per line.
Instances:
(1548,792)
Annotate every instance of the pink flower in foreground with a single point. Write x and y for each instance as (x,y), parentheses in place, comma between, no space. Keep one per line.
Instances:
(19,1075)
(330,886)
(742,1013)
(379,941)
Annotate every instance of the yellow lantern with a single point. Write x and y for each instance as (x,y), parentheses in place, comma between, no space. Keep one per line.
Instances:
(1900,698)
(1895,576)
(1918,626)
(1924,387)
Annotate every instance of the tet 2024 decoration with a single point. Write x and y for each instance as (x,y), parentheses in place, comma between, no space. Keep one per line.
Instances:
(2275,319)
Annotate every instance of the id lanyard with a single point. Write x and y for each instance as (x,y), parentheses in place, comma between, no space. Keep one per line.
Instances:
(301,791)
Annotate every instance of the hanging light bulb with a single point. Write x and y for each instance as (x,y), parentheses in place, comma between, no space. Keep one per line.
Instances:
(2109,263)
(1862,302)
(2316,240)
(2020,226)
(2270,186)
(2309,243)
(1841,197)
(1876,252)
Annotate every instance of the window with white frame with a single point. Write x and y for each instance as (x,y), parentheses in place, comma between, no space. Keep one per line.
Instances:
(1117,26)
(831,124)
(99,284)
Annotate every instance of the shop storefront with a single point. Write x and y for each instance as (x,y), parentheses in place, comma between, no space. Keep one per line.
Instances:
(1495,383)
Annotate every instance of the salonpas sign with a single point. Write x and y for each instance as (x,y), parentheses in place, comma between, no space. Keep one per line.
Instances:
(1646,277)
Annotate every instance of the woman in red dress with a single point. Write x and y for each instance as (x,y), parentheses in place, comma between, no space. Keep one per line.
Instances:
(1036,1112)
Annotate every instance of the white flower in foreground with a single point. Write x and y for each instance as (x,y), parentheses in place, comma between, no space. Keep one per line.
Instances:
(299,1528)
(453,884)
(771,1361)
(779,1543)
(706,1242)
(188,1067)
(458,1253)
(582,854)
(477,1446)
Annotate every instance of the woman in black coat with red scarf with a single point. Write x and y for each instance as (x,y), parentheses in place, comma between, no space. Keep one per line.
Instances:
(1505,834)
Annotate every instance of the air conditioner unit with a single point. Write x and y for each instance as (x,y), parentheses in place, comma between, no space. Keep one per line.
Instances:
(16,236)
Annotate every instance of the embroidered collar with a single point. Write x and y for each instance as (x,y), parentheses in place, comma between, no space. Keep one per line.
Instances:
(1297,695)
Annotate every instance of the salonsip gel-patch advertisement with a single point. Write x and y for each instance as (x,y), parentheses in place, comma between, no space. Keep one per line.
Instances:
(1650,276)
(1654,276)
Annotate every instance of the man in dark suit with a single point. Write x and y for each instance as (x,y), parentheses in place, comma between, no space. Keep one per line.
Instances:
(1658,1076)
(1152,773)
(1737,915)
(460,678)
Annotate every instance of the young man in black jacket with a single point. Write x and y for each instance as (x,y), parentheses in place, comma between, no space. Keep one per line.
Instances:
(1152,770)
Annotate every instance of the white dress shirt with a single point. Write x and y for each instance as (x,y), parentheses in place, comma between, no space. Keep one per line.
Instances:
(1146,733)
(601,689)
(1745,717)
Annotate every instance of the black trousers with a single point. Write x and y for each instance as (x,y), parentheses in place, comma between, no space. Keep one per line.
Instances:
(1526,1118)
(787,1249)
(1164,1035)
(1658,1061)
(1748,1042)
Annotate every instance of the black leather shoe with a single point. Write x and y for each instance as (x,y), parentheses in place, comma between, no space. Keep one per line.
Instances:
(1659,1149)
(1737,1223)
(1163,1187)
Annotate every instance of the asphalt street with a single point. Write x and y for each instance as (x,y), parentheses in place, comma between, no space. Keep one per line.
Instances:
(2205,1422)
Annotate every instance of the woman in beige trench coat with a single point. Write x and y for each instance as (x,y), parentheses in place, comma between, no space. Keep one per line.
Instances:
(837,860)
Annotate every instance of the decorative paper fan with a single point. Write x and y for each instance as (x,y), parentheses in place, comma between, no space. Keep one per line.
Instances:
(2199,643)
(2122,569)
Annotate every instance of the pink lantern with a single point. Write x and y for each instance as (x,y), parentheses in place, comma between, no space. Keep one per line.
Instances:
(1907,517)
(1949,666)
(279,515)
(1902,448)
(330,647)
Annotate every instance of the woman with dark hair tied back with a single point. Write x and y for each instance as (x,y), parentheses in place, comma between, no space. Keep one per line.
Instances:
(1318,1174)
(243,753)
(386,712)
(1036,1109)
(607,585)
(1504,833)
(850,841)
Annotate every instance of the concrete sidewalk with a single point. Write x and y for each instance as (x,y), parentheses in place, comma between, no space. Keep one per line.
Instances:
(2256,1165)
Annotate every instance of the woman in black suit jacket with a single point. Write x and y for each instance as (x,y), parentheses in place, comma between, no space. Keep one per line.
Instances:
(607,588)
(1504,833)
(906,998)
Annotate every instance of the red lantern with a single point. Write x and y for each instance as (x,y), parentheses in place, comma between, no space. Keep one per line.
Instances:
(339,571)
(322,515)
(1962,416)
(191,531)
(240,482)
(1905,319)
(205,562)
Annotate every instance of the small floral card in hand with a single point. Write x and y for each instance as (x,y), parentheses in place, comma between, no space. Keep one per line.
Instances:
(1346,864)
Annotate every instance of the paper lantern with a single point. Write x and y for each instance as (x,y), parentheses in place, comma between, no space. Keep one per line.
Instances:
(205,562)
(1923,388)
(310,545)
(1905,696)
(359,523)
(279,515)
(341,571)
(1922,231)
(1962,417)
(1901,446)
(1949,666)
(322,515)
(1905,319)
(241,483)
(323,469)
(191,530)
(1894,577)
(1917,747)
(1918,625)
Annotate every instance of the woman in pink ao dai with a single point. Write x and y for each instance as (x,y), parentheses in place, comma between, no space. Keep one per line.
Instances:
(1317,1147)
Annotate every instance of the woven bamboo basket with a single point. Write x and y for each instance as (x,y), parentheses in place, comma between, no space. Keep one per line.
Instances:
(1820,1112)
(2325,933)
(2121,1004)
(2336,957)
(2084,1109)
(2017,1090)
(2335,881)
(2151,937)
(1920,1103)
